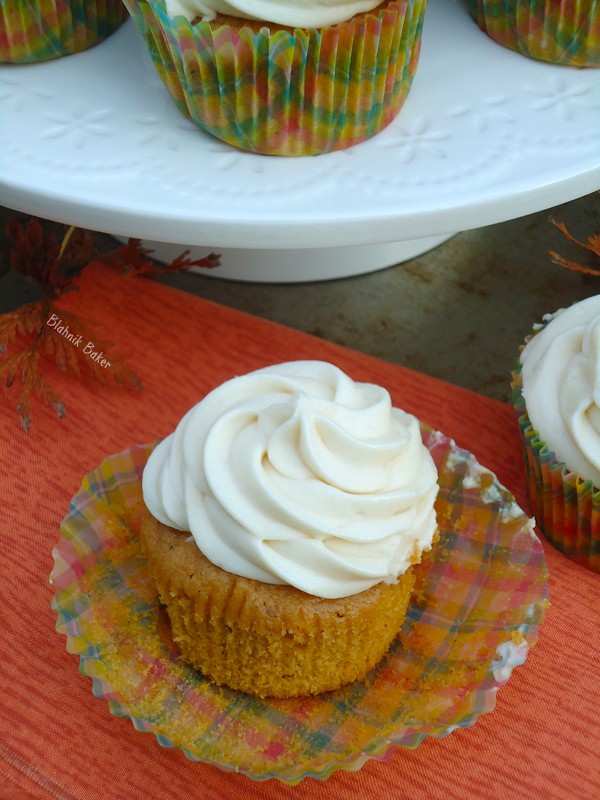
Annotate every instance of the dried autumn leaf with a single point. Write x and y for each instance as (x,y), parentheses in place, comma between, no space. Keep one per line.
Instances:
(183,262)
(132,259)
(591,244)
(74,358)
(23,321)
(43,345)
(11,367)
(36,255)
(574,266)
(38,346)
(52,399)
(77,250)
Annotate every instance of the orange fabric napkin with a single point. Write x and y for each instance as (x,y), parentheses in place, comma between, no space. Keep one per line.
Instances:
(58,741)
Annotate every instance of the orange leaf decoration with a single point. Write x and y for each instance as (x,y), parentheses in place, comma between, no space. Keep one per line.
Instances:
(39,337)
(592,245)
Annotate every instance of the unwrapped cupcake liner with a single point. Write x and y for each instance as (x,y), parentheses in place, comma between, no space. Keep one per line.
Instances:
(558,31)
(479,599)
(292,93)
(47,29)
(566,507)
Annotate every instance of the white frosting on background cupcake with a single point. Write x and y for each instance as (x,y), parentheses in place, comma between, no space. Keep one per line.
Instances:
(561,386)
(296,474)
(293,13)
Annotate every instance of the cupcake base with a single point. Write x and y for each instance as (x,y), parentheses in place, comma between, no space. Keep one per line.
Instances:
(286,92)
(49,29)
(263,639)
(566,508)
(547,30)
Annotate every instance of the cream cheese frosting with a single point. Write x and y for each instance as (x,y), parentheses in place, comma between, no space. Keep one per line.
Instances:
(561,386)
(296,474)
(292,13)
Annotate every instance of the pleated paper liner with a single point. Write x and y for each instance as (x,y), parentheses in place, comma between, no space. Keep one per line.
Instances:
(559,31)
(479,602)
(47,29)
(566,507)
(287,92)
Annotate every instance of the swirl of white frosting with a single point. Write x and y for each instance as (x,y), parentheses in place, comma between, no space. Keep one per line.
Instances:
(561,386)
(295,474)
(294,14)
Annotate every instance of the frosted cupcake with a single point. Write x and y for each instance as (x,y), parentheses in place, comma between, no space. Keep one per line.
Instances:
(556,392)
(558,31)
(281,78)
(285,514)
(47,29)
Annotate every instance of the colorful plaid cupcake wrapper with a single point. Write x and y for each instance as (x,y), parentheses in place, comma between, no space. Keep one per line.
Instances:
(46,29)
(559,31)
(479,601)
(287,93)
(567,508)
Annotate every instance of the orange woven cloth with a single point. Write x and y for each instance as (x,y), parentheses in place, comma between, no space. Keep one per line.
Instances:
(58,741)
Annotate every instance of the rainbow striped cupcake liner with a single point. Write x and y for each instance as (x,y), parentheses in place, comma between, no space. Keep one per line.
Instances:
(559,31)
(47,29)
(289,93)
(480,598)
(566,507)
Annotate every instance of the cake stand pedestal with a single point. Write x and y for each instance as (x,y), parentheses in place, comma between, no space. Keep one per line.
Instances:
(299,265)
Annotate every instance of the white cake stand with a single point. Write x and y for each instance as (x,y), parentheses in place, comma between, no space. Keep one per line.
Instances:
(486,135)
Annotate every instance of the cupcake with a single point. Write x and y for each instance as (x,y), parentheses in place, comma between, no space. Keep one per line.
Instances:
(558,31)
(556,393)
(282,79)
(50,29)
(284,516)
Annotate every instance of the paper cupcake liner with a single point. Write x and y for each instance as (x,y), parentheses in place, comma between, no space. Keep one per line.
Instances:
(479,600)
(559,31)
(290,93)
(566,507)
(47,29)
